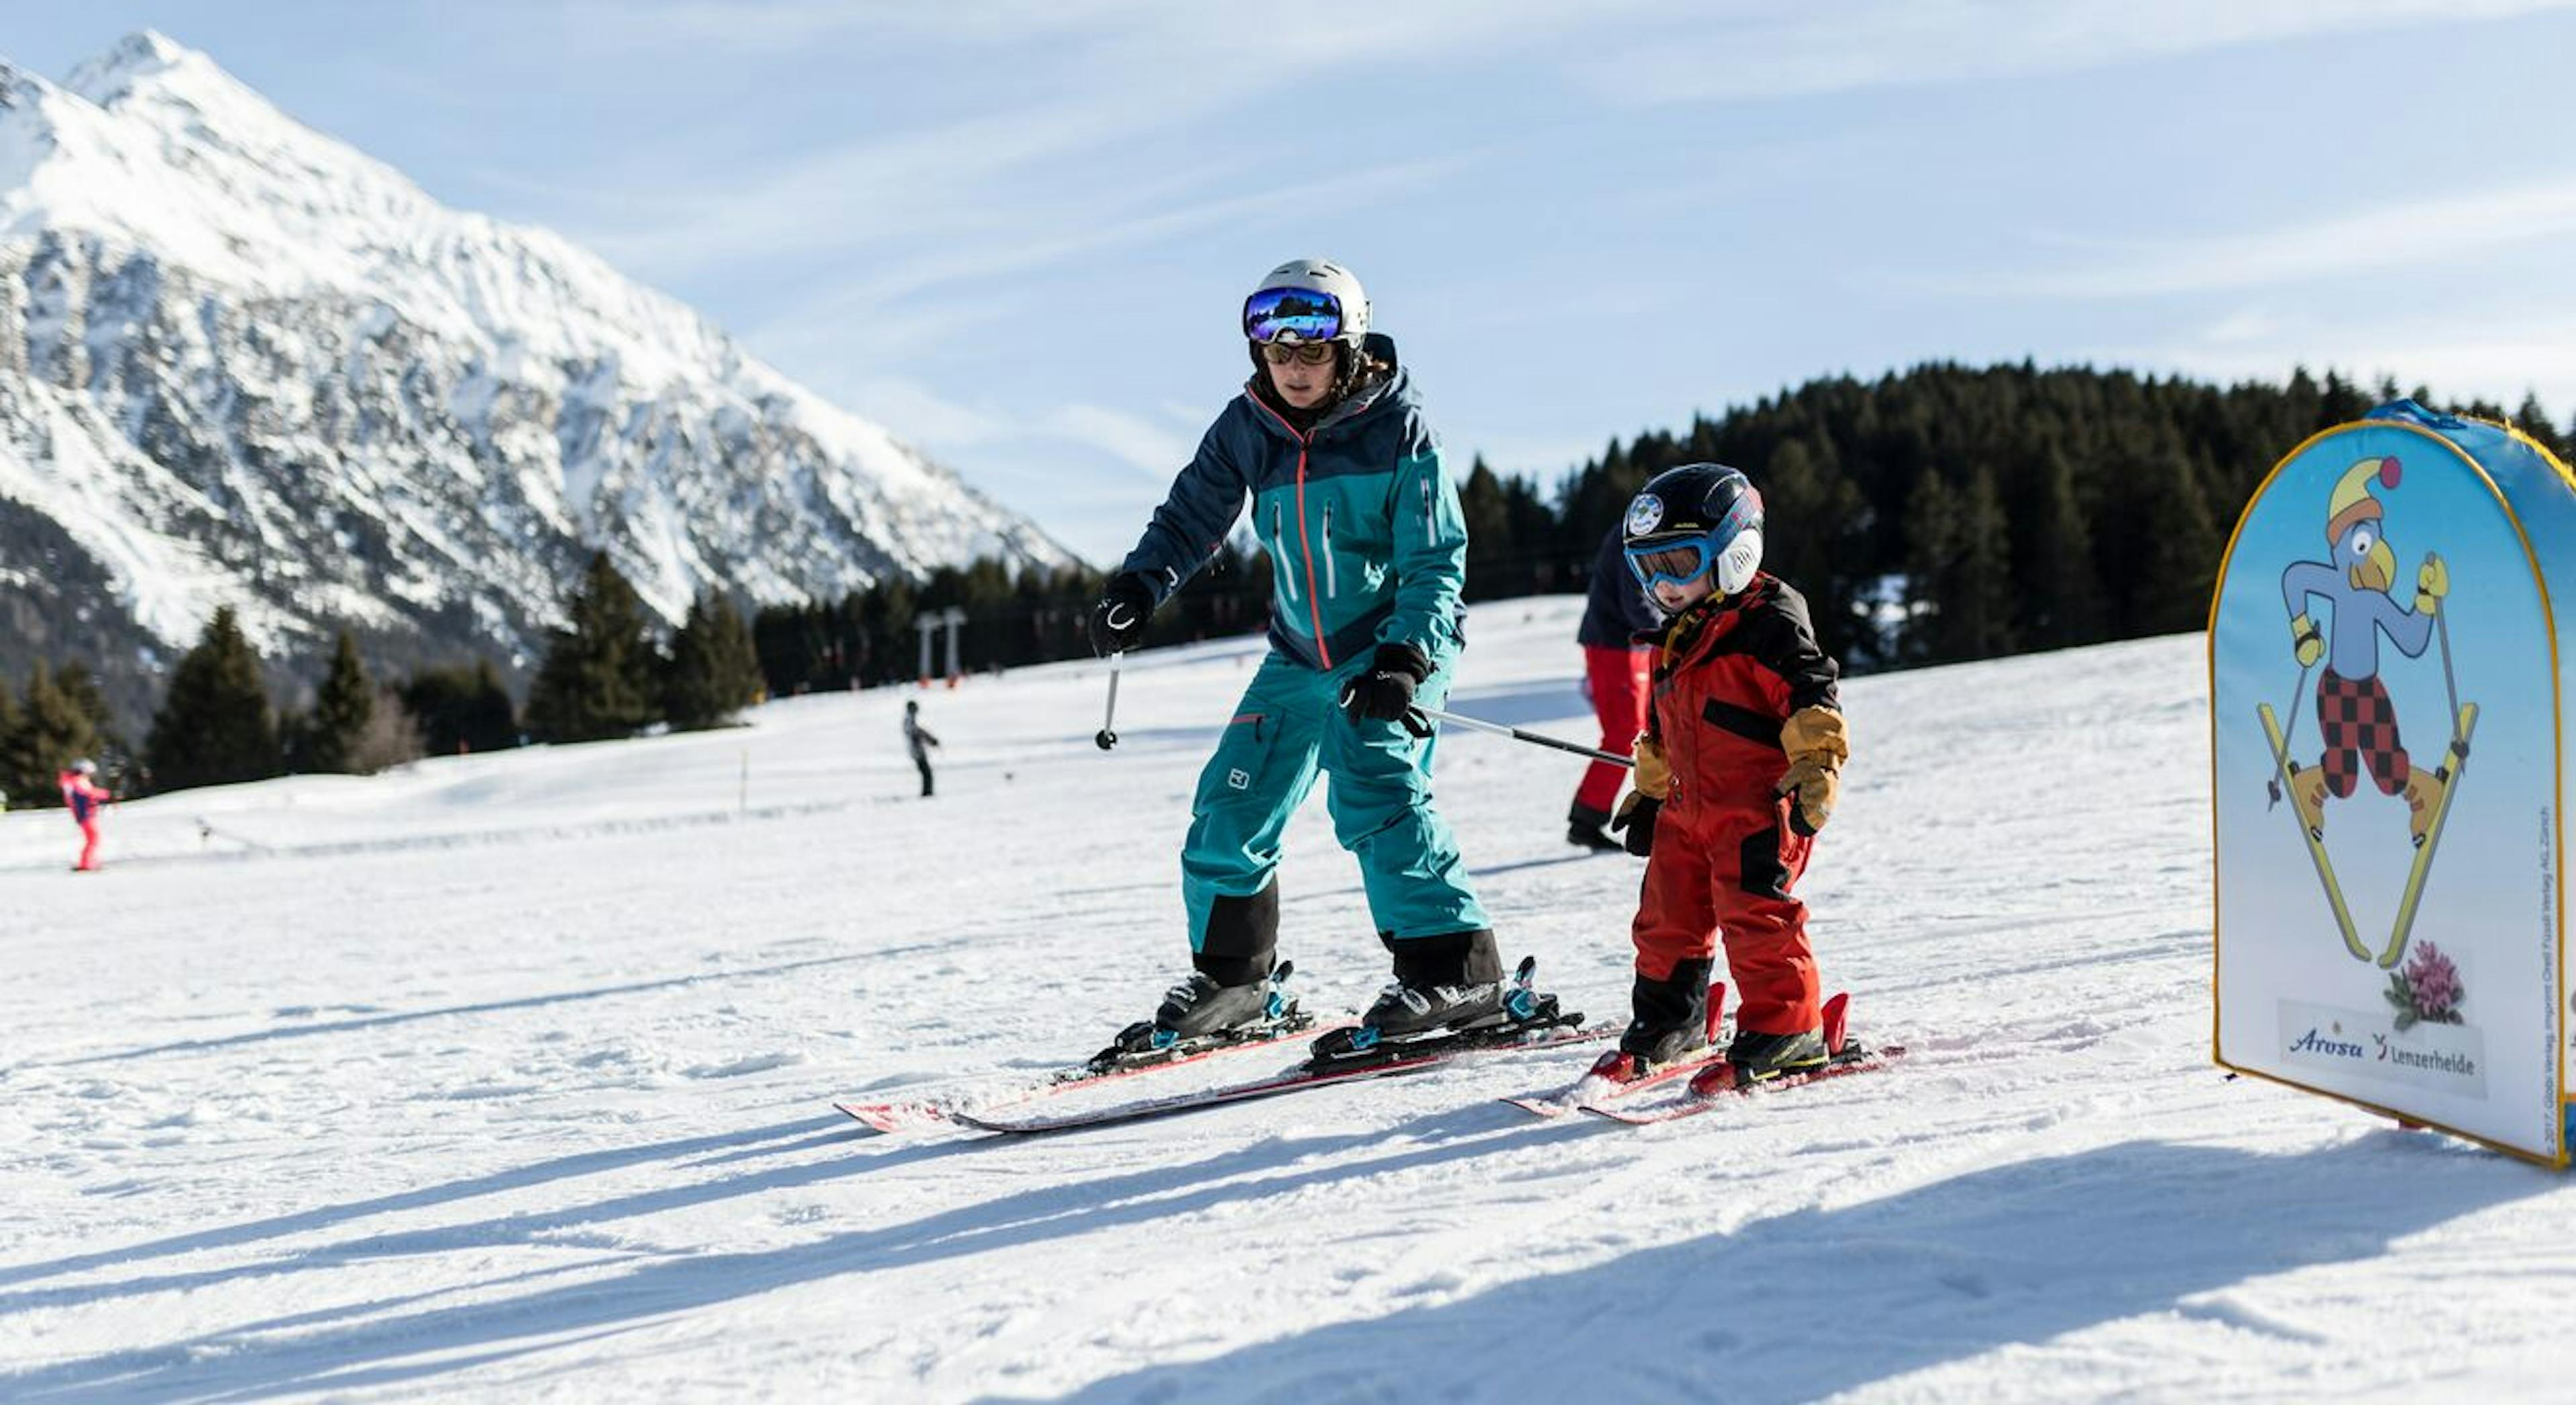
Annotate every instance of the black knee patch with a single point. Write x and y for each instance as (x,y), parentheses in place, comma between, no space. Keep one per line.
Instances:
(1451,958)
(1762,873)
(1242,940)
(1678,1001)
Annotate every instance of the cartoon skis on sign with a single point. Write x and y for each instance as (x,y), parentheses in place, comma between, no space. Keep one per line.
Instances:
(2357,721)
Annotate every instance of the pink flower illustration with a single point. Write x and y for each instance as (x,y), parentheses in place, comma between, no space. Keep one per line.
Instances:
(2428,989)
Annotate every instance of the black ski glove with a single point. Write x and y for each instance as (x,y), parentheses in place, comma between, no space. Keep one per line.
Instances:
(1118,620)
(1385,692)
(1637,817)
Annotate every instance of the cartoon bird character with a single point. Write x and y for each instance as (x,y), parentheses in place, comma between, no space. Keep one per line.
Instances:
(2354,715)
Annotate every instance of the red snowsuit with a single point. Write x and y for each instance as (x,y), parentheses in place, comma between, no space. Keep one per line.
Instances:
(84,796)
(1740,693)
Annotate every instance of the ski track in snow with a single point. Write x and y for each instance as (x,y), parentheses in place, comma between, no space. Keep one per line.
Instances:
(509,1077)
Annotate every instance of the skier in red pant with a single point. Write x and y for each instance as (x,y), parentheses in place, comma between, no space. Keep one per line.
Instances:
(1737,770)
(84,796)
(1615,673)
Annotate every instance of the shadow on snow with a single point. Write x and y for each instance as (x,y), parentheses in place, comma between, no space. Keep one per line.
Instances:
(1814,1302)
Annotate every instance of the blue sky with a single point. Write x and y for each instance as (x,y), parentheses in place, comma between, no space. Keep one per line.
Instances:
(1579,222)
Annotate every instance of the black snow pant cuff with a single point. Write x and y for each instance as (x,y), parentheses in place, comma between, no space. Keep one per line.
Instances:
(1679,1001)
(1586,816)
(1451,958)
(1242,941)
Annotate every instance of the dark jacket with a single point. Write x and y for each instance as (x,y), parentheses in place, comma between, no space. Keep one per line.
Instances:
(1618,610)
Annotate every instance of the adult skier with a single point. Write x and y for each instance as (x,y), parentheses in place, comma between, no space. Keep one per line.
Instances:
(1615,671)
(1368,548)
(83,795)
(1738,769)
(918,740)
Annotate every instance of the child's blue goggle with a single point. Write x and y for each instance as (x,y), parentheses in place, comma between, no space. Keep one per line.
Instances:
(1673,560)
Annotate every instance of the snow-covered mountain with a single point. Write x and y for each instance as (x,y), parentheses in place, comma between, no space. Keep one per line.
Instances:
(243,362)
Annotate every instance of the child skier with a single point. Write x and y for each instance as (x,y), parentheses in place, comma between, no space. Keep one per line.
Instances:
(1352,501)
(84,796)
(1736,772)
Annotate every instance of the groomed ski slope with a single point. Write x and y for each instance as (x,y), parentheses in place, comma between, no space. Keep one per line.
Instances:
(509,1077)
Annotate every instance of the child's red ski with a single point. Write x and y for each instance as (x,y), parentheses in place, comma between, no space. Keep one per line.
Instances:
(1716,1085)
(1718,1081)
(1620,1074)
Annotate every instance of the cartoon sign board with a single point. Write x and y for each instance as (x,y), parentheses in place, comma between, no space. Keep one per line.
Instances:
(2387,742)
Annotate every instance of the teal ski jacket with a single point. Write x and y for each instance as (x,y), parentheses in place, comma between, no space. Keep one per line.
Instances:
(1367,544)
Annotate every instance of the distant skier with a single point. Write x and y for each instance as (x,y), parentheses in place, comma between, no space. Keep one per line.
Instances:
(2354,714)
(918,740)
(1737,771)
(84,796)
(1617,671)
(1368,550)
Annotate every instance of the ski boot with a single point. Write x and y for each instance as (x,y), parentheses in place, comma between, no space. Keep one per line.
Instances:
(1199,1014)
(1584,830)
(1671,1017)
(1759,1058)
(1442,985)
(1418,1019)
(2423,793)
(2308,792)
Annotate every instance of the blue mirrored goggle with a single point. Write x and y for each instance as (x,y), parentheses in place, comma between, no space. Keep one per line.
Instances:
(1292,315)
(1677,560)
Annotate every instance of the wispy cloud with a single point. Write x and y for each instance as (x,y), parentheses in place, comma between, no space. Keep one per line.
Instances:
(2396,235)
(868,315)
(2497,357)
(1791,48)
(1158,451)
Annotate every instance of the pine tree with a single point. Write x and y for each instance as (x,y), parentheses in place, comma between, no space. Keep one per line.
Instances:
(341,711)
(2060,605)
(600,677)
(51,733)
(713,673)
(461,709)
(80,686)
(214,726)
(8,736)
(1979,598)
(1491,552)
(1932,531)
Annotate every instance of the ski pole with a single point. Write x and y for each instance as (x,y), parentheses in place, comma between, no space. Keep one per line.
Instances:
(1533,738)
(2450,682)
(1108,738)
(2297,692)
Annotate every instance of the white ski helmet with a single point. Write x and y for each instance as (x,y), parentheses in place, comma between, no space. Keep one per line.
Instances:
(1307,300)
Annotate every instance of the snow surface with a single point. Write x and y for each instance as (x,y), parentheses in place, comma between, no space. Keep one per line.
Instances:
(508,1077)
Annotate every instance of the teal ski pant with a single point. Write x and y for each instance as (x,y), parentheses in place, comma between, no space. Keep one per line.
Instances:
(1288,729)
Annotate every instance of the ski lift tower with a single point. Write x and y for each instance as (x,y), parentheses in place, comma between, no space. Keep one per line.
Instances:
(954,617)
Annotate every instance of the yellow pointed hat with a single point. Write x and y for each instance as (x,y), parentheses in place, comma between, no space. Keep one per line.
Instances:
(2352,502)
